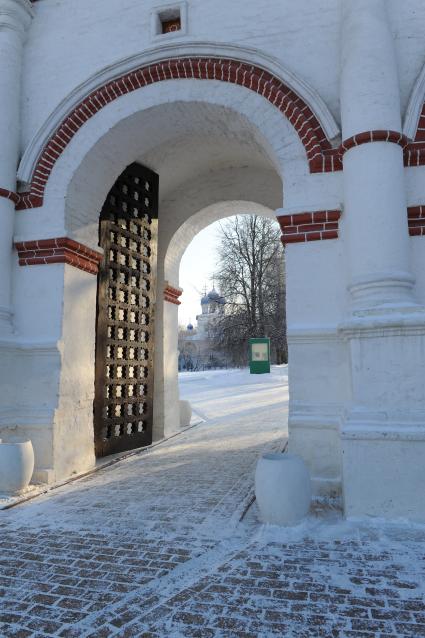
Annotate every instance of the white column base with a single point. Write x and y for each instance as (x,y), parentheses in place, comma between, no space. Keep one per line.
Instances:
(28,377)
(381,290)
(314,435)
(384,470)
(383,435)
(319,374)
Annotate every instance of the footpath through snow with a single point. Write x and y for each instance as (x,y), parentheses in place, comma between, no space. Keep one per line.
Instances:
(155,545)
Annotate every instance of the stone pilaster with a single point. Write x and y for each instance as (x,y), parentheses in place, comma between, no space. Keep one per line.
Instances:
(374,195)
(383,434)
(15,17)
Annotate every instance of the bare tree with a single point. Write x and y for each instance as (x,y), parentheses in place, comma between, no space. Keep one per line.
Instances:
(251,278)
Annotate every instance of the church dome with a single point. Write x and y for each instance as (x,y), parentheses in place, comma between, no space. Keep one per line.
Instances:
(189,326)
(213,295)
(205,300)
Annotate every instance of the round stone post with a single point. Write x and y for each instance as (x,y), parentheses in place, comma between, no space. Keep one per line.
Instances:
(15,17)
(383,429)
(374,197)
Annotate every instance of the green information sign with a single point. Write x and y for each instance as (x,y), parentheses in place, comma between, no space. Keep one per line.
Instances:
(259,355)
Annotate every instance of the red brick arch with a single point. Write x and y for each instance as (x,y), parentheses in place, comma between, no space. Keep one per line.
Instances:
(320,154)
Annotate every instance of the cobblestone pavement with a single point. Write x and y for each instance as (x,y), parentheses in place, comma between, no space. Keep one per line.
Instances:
(154,546)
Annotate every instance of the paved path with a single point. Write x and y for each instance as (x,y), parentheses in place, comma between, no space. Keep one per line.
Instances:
(154,545)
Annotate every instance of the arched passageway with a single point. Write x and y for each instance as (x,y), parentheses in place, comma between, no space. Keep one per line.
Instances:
(217,115)
(179,243)
(218,149)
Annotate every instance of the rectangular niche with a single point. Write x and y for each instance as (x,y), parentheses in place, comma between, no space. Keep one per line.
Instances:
(169,21)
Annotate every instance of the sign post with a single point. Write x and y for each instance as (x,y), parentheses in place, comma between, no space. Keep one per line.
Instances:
(259,355)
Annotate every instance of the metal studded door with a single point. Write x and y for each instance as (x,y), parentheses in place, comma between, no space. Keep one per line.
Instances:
(123,404)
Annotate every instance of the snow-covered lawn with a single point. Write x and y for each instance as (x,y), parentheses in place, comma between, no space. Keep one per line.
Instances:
(229,393)
(168,543)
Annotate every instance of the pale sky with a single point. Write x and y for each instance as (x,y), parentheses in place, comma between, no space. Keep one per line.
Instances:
(196,269)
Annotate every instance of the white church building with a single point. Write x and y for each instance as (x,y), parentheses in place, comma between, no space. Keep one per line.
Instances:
(197,349)
(127,127)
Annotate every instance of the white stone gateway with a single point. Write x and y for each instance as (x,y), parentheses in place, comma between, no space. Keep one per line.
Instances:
(313,112)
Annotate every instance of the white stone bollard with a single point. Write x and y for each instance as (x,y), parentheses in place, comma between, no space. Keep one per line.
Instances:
(185,413)
(282,488)
(16,466)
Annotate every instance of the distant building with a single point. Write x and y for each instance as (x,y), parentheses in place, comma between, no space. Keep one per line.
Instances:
(196,349)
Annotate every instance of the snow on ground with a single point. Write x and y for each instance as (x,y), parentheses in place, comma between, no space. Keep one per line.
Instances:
(223,393)
(155,545)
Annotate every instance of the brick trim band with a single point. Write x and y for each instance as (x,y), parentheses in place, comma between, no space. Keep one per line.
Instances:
(373,136)
(321,156)
(319,225)
(314,226)
(416,220)
(60,250)
(14,197)
(172,295)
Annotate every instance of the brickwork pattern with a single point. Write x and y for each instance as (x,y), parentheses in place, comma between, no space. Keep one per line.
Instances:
(87,584)
(301,227)
(321,156)
(172,295)
(318,225)
(416,220)
(155,547)
(413,150)
(373,136)
(59,250)
(7,194)
(50,583)
(309,588)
